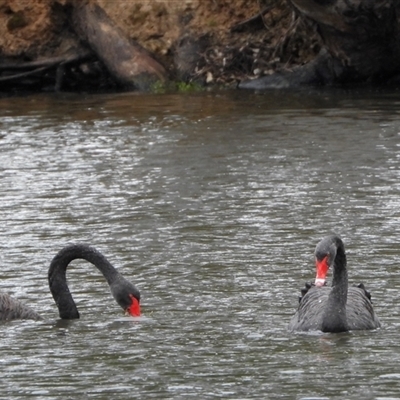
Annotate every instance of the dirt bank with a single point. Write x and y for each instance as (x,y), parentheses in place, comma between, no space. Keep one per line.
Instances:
(196,40)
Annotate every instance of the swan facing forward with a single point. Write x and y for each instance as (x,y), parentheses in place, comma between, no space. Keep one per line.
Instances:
(124,292)
(338,308)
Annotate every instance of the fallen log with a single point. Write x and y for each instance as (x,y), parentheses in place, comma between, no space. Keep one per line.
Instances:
(13,77)
(46,62)
(128,62)
(361,45)
(40,73)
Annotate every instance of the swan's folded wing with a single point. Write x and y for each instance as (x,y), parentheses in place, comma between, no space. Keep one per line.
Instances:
(360,313)
(11,309)
(309,314)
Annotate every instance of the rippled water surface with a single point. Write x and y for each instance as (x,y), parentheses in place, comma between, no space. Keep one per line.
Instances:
(212,204)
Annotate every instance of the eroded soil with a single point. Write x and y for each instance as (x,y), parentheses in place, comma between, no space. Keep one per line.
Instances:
(203,40)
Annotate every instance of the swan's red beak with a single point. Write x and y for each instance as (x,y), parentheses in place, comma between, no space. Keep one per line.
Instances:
(322,270)
(134,308)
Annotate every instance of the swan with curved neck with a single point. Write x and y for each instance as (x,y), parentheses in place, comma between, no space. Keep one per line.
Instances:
(123,291)
(338,308)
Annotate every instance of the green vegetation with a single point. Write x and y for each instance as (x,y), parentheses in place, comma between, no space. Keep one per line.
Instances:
(175,86)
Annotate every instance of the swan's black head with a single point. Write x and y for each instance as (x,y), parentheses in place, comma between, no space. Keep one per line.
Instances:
(127,296)
(325,254)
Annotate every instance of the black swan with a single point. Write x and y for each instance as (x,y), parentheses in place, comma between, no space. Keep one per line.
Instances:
(338,308)
(124,292)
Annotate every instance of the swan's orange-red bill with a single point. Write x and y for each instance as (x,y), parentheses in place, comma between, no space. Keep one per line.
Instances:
(322,270)
(134,308)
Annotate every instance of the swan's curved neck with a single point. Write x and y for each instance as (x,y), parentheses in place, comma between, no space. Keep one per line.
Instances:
(58,281)
(335,318)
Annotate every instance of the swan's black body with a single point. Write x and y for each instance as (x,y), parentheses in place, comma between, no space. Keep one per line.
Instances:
(338,308)
(121,289)
(11,308)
